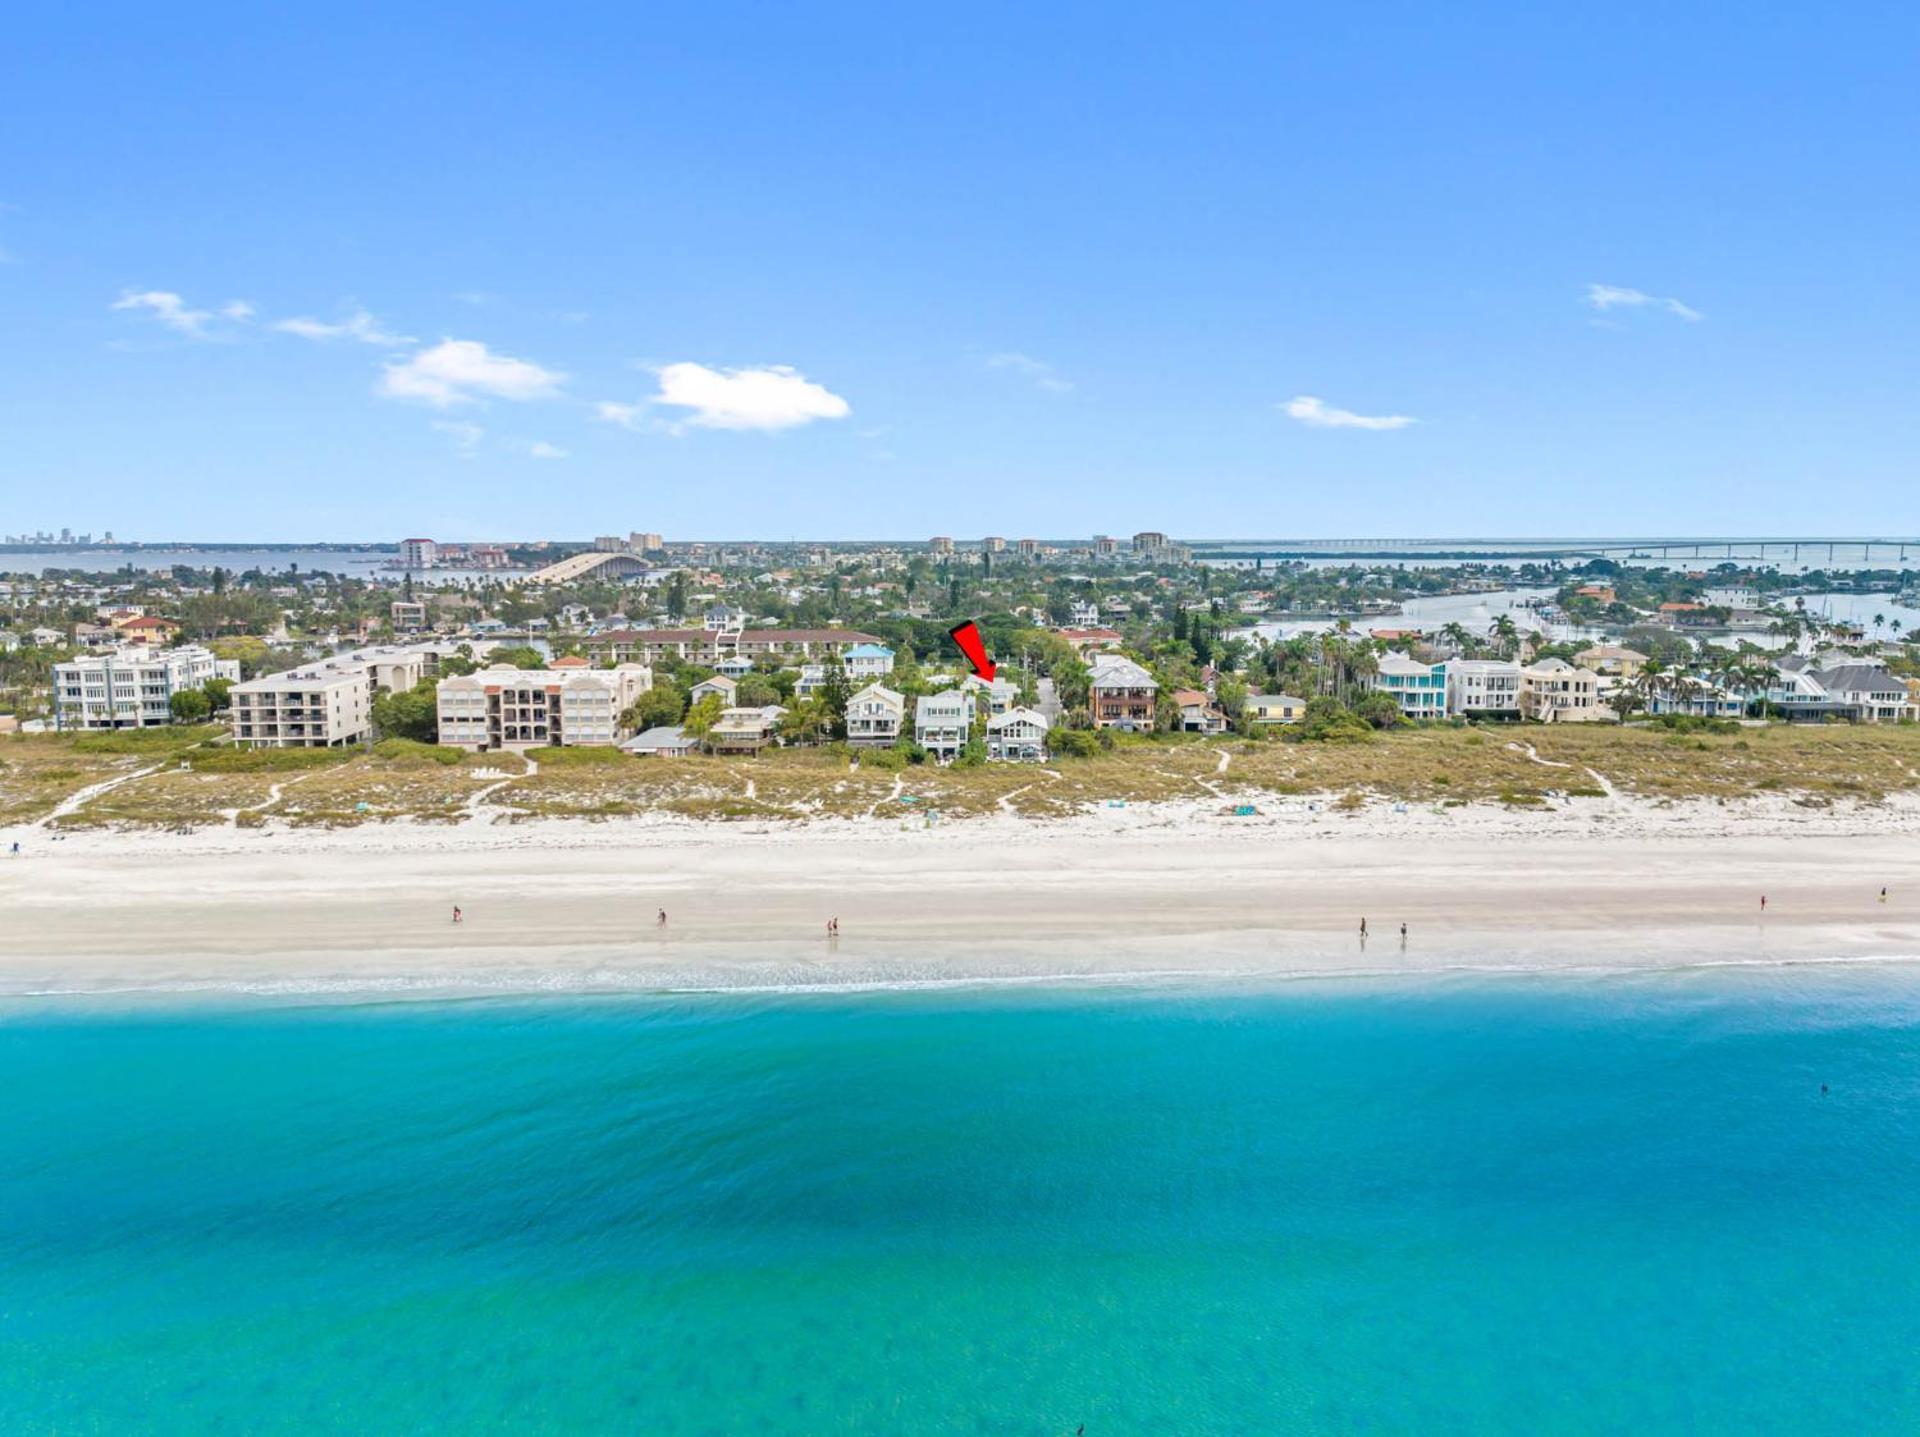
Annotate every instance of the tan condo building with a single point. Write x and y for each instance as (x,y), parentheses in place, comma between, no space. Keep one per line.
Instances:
(507,707)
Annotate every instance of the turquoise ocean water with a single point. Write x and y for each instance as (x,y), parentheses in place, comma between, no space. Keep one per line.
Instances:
(1516,1206)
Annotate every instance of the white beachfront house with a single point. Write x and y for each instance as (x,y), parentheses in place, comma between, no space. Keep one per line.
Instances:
(507,707)
(874,717)
(942,723)
(1017,736)
(867,662)
(1420,689)
(719,684)
(1483,688)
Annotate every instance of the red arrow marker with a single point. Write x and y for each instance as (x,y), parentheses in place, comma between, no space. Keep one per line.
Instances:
(967,636)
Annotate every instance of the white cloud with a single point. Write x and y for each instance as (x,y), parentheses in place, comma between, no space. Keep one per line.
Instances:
(459,371)
(540,449)
(359,325)
(627,416)
(166,307)
(238,310)
(466,437)
(772,397)
(1043,375)
(1318,414)
(1612,296)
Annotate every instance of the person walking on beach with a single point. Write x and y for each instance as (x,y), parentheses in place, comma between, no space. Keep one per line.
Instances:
(1883,891)
(1763,903)
(456,913)
(1363,928)
(1403,935)
(661,921)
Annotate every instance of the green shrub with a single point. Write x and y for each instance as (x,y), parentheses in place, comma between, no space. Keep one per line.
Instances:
(414,754)
(607,757)
(267,760)
(146,740)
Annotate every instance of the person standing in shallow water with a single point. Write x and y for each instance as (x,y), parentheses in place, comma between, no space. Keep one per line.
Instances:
(1363,928)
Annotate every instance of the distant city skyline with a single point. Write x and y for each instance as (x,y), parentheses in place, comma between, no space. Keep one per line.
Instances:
(1487,271)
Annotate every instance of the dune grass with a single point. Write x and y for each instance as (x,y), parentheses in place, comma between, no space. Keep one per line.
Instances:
(1516,766)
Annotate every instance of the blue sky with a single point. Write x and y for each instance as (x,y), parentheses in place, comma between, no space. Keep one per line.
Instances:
(728,270)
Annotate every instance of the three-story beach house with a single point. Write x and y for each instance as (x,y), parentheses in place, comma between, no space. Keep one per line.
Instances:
(1121,694)
(943,722)
(874,717)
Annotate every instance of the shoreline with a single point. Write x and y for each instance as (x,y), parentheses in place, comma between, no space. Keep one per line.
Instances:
(1106,896)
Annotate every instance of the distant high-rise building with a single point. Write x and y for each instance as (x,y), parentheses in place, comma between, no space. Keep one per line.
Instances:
(609,544)
(418,553)
(940,544)
(994,544)
(1028,548)
(1150,544)
(1105,547)
(646,543)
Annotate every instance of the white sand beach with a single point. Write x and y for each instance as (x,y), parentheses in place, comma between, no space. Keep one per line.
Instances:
(1598,884)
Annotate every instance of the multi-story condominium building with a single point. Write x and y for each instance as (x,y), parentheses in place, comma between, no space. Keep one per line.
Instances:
(1483,688)
(418,553)
(1122,694)
(943,722)
(1275,708)
(866,662)
(508,707)
(1554,691)
(874,717)
(487,556)
(407,615)
(940,545)
(131,687)
(1028,548)
(1017,736)
(645,543)
(1157,548)
(1105,547)
(746,730)
(324,705)
(709,646)
(1420,689)
(994,544)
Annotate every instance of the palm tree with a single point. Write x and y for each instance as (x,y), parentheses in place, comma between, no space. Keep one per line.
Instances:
(1458,638)
(1505,636)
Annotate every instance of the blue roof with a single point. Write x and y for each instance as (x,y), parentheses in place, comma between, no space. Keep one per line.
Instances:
(869,651)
